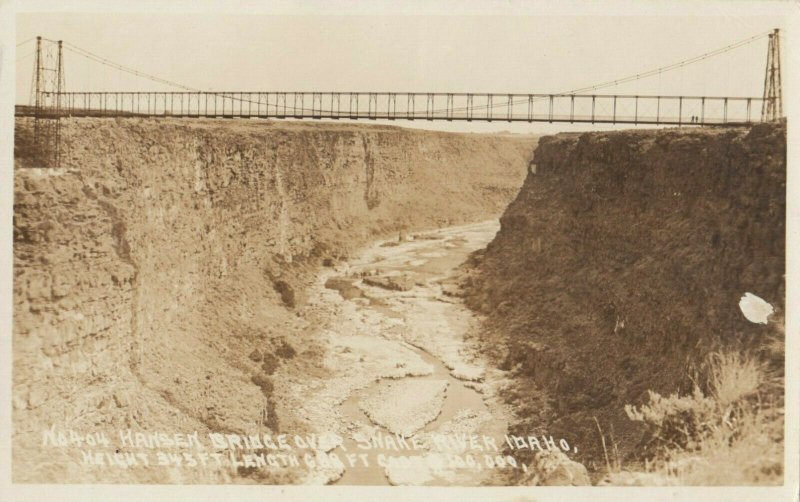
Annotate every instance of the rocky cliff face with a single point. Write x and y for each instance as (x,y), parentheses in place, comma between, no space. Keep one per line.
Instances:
(621,263)
(156,273)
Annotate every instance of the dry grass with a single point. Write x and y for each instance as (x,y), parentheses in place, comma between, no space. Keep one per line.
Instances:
(730,435)
(747,452)
(732,377)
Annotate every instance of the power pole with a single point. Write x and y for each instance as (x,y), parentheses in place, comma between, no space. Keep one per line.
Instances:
(772,104)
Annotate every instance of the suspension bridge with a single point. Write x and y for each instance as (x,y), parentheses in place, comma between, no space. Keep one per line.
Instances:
(50,101)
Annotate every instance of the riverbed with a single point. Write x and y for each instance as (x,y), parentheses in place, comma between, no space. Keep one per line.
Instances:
(399,362)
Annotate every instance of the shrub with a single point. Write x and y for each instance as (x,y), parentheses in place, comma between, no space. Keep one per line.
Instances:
(264,382)
(731,435)
(285,350)
(286,291)
(733,377)
(270,364)
(674,421)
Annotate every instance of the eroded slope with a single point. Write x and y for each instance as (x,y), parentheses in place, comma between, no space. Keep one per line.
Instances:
(621,263)
(159,272)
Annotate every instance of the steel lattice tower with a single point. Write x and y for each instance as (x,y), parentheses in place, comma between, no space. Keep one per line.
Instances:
(772,106)
(47,94)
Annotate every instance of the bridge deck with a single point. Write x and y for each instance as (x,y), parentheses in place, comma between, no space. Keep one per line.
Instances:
(564,108)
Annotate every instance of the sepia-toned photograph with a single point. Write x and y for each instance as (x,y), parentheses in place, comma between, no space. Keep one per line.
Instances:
(295,244)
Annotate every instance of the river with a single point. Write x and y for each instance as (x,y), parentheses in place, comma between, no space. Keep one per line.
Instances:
(400,362)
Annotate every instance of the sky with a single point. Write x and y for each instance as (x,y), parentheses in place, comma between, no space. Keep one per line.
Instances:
(419,53)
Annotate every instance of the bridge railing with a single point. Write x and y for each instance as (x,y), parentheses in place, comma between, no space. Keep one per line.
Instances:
(576,108)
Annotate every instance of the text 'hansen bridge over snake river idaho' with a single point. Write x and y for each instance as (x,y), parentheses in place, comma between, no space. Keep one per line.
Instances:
(50,101)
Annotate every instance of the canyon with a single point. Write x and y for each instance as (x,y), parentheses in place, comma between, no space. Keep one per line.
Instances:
(354,282)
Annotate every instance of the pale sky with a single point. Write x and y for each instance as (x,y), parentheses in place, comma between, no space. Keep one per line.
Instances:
(501,54)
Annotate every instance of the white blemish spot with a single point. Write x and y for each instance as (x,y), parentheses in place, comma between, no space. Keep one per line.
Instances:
(755,309)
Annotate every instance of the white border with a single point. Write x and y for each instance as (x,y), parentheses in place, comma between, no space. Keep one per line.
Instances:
(8,9)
